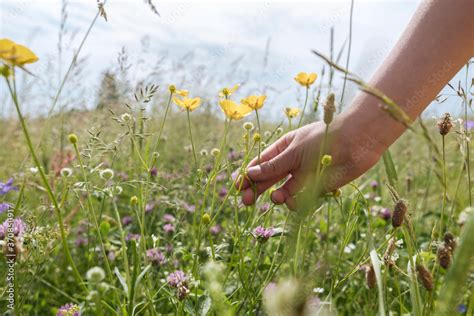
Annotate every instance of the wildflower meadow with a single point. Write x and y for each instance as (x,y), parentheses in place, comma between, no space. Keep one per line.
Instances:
(135,207)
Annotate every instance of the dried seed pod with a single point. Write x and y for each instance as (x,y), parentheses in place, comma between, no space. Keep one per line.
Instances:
(399,213)
(387,257)
(425,277)
(370,276)
(444,257)
(445,124)
(329,108)
(450,241)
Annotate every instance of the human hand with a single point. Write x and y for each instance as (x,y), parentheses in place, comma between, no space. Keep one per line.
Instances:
(294,157)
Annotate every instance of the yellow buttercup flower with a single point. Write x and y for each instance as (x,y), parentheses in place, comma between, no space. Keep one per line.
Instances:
(189,104)
(254,102)
(292,112)
(233,110)
(305,79)
(227,92)
(172,89)
(16,54)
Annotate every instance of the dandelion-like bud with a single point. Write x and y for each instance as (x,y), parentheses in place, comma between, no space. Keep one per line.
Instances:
(5,71)
(444,257)
(279,130)
(370,276)
(66,172)
(95,274)
(329,109)
(425,277)
(267,134)
(206,219)
(172,88)
(125,117)
(203,152)
(73,138)
(399,213)
(133,200)
(326,160)
(215,152)
(257,137)
(248,126)
(445,124)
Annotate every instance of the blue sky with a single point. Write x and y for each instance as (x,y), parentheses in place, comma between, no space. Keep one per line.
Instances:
(199,44)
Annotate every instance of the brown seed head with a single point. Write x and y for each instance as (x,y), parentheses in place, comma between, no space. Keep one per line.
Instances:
(425,277)
(370,276)
(399,213)
(329,108)
(445,124)
(444,257)
(450,241)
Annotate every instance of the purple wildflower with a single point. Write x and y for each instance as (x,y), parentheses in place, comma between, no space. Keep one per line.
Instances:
(80,241)
(189,208)
(155,256)
(169,248)
(177,278)
(111,255)
(149,207)
(215,230)
(19,228)
(264,207)
(222,192)
(4,207)
(168,218)
(69,310)
(131,236)
(374,184)
(385,213)
(153,172)
(262,234)
(168,228)
(7,187)
(127,220)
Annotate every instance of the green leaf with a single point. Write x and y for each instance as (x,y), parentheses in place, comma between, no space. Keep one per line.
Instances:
(390,168)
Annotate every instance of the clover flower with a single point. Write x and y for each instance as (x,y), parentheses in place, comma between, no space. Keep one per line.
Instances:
(150,206)
(127,220)
(16,54)
(169,228)
(168,218)
(176,278)
(215,230)
(69,310)
(155,256)
(18,227)
(263,234)
(7,187)
(306,79)
(131,236)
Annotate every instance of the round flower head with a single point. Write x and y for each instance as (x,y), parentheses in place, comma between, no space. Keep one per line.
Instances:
(306,79)
(263,234)
(125,117)
(190,104)
(279,130)
(248,126)
(215,152)
(254,102)
(16,54)
(73,138)
(257,137)
(177,278)
(326,160)
(172,89)
(156,257)
(106,174)
(227,92)
(292,112)
(206,219)
(66,172)
(445,124)
(69,310)
(233,110)
(204,152)
(95,274)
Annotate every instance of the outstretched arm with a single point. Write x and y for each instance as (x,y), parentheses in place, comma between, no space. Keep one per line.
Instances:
(435,45)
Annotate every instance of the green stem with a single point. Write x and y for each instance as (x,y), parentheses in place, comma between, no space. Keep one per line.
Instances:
(191,138)
(51,196)
(441,227)
(304,107)
(155,147)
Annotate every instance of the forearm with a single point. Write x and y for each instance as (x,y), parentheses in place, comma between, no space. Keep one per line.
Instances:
(434,47)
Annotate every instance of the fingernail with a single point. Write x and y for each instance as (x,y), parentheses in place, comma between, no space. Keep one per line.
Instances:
(254,171)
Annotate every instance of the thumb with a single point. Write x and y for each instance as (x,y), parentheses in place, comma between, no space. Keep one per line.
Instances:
(275,167)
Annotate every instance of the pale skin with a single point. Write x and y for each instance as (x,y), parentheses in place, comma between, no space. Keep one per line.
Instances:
(437,43)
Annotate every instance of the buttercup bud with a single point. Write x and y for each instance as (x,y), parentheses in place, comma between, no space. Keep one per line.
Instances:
(206,219)
(326,160)
(257,137)
(73,138)
(172,88)
(133,200)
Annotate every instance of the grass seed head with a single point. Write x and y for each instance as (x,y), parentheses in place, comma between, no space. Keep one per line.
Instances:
(450,241)
(329,109)
(445,124)
(425,277)
(444,257)
(399,213)
(370,276)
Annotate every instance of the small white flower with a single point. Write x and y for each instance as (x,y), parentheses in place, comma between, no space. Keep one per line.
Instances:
(66,172)
(349,248)
(125,117)
(318,290)
(399,243)
(95,274)
(106,174)
(215,152)
(204,152)
(34,170)
(248,126)
(267,134)
(279,130)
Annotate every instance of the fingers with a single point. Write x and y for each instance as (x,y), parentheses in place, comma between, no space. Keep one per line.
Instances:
(285,194)
(273,161)
(250,194)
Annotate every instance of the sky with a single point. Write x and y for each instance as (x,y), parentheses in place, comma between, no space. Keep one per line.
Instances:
(202,45)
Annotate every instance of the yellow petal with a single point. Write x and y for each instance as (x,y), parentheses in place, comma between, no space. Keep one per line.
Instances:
(234,88)
(183,93)
(311,78)
(16,54)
